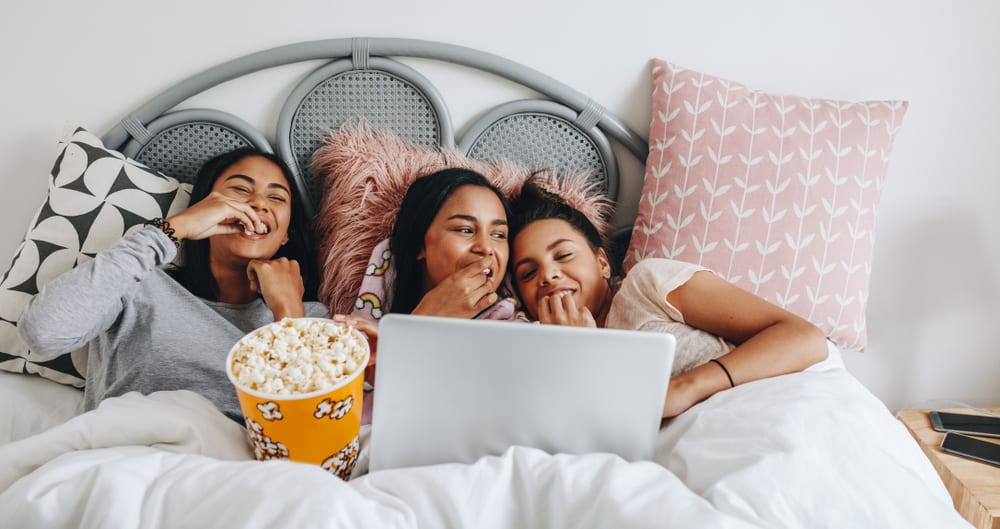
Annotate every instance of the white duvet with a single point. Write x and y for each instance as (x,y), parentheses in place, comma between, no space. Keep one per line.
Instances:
(808,450)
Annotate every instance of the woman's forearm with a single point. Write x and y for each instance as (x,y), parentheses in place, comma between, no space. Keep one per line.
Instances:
(785,347)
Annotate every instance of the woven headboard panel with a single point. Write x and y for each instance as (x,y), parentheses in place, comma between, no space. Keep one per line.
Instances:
(361,80)
(178,143)
(385,93)
(540,133)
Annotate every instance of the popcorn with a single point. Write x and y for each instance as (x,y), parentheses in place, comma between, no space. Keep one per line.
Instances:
(296,356)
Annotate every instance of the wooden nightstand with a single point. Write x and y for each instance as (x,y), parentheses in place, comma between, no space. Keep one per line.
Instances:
(974,486)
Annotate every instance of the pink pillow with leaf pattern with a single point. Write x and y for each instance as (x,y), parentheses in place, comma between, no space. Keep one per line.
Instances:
(776,193)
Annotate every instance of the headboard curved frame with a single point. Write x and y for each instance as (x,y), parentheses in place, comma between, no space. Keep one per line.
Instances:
(366,53)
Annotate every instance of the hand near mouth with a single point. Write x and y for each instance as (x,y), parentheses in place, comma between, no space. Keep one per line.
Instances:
(560,308)
(465,293)
(217,214)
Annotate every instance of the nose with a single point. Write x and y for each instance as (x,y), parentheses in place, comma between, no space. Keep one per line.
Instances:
(548,273)
(257,202)
(483,244)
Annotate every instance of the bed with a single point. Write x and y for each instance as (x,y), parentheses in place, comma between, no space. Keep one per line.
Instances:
(810,449)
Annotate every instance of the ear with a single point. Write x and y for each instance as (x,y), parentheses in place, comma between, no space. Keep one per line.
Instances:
(604,262)
(284,241)
(422,255)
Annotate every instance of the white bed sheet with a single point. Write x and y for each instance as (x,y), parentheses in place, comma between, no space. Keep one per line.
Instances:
(33,404)
(808,450)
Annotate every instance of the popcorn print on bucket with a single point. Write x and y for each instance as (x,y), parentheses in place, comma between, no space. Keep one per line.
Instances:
(334,409)
(342,463)
(270,410)
(264,447)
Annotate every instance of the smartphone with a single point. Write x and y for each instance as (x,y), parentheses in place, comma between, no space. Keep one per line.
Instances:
(944,421)
(971,447)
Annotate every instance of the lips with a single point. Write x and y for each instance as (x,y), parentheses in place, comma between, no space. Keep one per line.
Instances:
(489,270)
(250,234)
(557,291)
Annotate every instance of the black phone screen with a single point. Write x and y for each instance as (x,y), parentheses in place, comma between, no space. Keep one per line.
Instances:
(964,445)
(962,422)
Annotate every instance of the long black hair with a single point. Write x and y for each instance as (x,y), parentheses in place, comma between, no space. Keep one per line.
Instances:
(420,205)
(196,273)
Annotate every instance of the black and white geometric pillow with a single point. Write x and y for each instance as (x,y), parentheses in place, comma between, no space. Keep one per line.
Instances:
(95,196)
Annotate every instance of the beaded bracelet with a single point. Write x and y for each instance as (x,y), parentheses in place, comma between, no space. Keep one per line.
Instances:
(161,224)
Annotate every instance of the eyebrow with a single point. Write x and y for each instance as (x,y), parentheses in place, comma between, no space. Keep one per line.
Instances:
(252,181)
(548,248)
(472,218)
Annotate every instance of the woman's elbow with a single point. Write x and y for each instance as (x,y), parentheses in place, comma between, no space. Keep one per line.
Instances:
(813,340)
(36,331)
(28,329)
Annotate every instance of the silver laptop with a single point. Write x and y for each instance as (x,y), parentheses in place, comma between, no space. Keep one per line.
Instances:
(454,390)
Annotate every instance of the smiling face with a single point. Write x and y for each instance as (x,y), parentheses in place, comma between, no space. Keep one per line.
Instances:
(471,224)
(261,184)
(551,257)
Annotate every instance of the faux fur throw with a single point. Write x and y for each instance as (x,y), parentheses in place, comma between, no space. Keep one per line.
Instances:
(365,173)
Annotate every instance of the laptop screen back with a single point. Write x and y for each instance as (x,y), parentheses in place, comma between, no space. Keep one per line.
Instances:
(454,390)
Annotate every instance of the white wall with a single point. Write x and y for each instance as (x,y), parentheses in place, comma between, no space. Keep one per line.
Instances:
(934,307)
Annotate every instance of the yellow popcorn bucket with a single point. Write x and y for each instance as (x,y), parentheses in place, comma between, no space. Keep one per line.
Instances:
(319,427)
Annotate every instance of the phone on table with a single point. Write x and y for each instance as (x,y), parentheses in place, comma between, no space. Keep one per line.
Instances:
(971,447)
(944,421)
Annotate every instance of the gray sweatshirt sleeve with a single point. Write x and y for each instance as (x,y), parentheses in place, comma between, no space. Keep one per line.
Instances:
(82,303)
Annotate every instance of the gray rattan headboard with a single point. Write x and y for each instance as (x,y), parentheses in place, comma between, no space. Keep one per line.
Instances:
(567,131)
